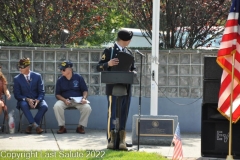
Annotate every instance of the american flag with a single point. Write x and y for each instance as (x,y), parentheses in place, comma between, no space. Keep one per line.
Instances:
(177,152)
(229,54)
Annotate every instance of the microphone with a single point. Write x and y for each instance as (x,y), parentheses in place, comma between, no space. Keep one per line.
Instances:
(140,53)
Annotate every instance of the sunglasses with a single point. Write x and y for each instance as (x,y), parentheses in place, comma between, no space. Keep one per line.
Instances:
(22,67)
(62,70)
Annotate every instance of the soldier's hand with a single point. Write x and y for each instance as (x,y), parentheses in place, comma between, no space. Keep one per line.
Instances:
(113,62)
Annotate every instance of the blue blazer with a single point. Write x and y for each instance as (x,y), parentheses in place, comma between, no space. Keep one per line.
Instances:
(33,89)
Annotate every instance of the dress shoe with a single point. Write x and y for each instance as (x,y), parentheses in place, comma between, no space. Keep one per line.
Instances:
(80,130)
(61,130)
(29,130)
(39,130)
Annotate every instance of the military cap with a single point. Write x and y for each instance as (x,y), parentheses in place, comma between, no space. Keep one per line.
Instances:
(125,35)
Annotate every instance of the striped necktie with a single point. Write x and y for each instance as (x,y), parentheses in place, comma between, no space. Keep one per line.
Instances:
(28,80)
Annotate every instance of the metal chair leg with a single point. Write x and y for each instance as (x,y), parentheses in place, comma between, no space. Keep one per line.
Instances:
(3,126)
(20,121)
(45,124)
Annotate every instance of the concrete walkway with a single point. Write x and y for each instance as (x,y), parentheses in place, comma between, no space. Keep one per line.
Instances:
(92,140)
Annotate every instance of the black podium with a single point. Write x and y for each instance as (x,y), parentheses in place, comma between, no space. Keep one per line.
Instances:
(120,79)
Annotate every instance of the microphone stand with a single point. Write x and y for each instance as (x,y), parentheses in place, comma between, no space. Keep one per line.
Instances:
(139,108)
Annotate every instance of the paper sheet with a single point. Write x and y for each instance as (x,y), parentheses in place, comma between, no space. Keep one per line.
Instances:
(77,99)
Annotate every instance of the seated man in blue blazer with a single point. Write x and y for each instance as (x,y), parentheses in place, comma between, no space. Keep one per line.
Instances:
(29,91)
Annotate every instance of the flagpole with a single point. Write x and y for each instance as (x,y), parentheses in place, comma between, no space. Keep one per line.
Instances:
(230,157)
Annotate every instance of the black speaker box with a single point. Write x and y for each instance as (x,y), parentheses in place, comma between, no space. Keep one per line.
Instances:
(215,139)
(211,69)
(210,112)
(211,91)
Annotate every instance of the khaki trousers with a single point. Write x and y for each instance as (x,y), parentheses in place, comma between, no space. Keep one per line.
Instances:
(85,110)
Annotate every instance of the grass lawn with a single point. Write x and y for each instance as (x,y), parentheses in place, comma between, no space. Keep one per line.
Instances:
(79,154)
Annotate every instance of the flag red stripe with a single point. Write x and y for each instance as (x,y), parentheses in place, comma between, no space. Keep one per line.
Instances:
(222,52)
(231,22)
(226,103)
(228,37)
(228,66)
(236,114)
(225,84)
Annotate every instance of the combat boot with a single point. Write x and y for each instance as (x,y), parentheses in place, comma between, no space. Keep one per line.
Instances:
(122,143)
(111,143)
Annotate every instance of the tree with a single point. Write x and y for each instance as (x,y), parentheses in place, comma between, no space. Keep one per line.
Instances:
(112,22)
(40,21)
(183,24)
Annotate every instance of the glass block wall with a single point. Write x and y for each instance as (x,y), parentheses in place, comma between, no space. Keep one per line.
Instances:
(180,71)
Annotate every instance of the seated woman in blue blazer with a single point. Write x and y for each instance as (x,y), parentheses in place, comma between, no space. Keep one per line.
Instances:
(29,91)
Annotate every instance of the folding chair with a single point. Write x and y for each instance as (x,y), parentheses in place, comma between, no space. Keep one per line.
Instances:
(43,121)
(70,108)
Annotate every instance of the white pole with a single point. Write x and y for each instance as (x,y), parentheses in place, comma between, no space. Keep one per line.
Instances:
(154,62)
